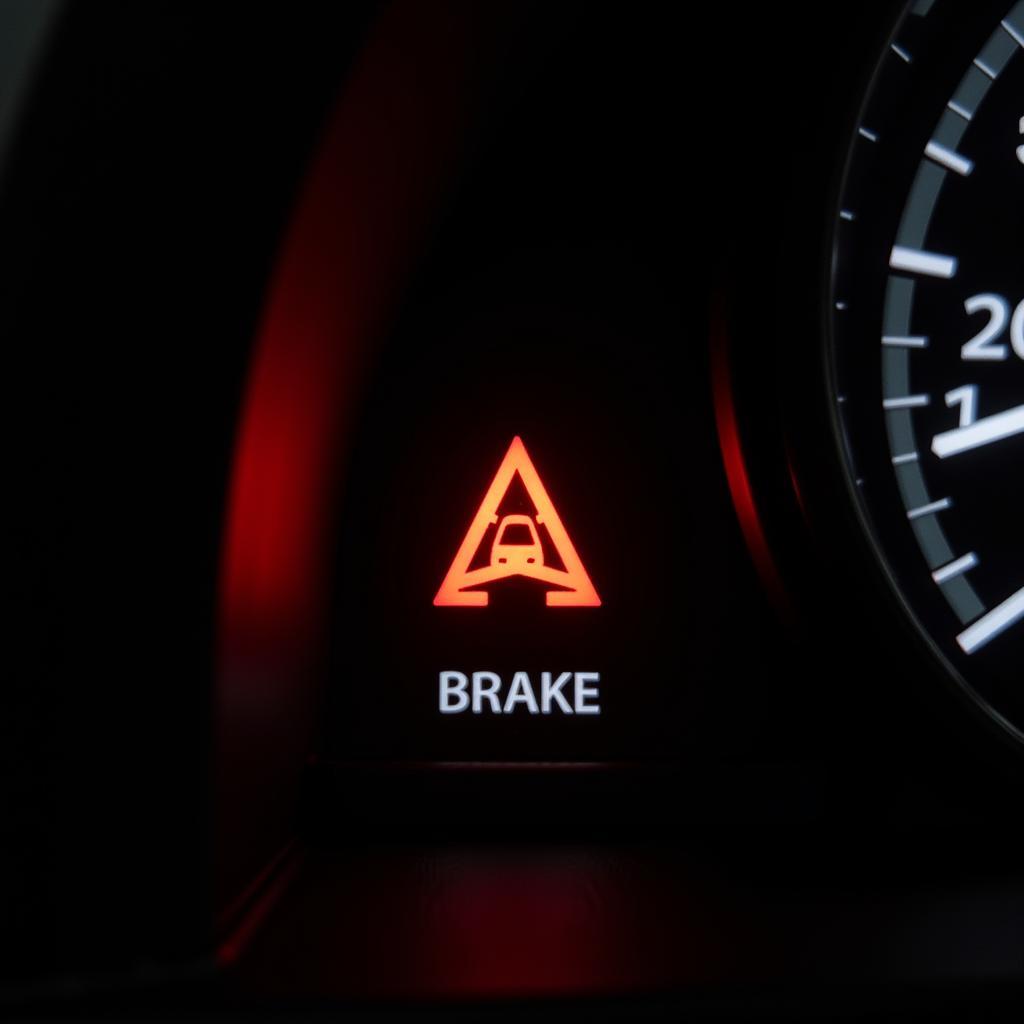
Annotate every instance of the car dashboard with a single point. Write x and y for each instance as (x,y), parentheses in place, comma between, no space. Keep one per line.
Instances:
(520,513)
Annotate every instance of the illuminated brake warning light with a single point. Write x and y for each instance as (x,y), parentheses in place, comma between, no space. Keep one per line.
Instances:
(516,548)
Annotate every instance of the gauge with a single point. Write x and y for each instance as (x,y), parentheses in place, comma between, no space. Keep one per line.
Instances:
(926,314)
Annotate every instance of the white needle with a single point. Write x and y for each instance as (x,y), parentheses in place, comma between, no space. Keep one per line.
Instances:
(983,431)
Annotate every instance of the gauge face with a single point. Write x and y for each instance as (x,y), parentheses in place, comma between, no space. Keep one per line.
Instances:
(927,335)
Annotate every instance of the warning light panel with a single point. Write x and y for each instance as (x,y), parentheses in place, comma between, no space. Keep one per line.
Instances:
(516,548)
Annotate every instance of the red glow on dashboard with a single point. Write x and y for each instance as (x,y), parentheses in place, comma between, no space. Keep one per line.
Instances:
(522,927)
(367,200)
(736,467)
(460,923)
(363,212)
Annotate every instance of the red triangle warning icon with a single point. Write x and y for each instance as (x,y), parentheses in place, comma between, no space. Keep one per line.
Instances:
(516,549)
